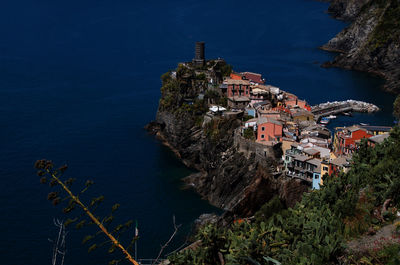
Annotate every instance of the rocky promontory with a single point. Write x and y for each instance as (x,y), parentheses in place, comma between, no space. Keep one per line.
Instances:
(371,42)
(239,182)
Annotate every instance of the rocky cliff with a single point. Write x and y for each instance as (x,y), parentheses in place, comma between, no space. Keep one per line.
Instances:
(239,182)
(371,43)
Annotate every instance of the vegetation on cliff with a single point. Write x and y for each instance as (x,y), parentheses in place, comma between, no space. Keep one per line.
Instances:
(315,231)
(388,28)
(186,90)
(371,42)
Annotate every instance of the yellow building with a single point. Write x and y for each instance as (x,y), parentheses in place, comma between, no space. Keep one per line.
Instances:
(302,115)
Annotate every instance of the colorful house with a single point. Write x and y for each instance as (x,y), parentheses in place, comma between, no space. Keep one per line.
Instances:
(335,166)
(259,93)
(302,115)
(237,88)
(317,179)
(326,168)
(303,166)
(340,164)
(346,138)
(269,130)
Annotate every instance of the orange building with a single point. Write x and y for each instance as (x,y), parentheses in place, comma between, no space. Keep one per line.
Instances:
(269,130)
(347,137)
(237,76)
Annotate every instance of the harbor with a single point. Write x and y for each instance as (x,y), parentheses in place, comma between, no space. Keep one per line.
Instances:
(329,109)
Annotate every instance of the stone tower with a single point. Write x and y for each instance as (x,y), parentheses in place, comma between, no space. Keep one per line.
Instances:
(199,58)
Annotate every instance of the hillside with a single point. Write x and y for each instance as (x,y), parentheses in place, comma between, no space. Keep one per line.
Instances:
(321,228)
(371,42)
(237,181)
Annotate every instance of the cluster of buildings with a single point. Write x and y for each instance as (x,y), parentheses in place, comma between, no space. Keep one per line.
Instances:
(276,117)
(313,162)
(279,117)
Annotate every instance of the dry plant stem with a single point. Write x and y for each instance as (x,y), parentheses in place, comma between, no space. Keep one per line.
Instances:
(61,236)
(94,219)
(169,240)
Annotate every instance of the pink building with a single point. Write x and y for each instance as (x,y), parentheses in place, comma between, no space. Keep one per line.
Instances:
(291,102)
(237,88)
(269,130)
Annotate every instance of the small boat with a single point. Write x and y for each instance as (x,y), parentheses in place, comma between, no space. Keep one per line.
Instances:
(364,124)
(347,113)
(325,120)
(332,117)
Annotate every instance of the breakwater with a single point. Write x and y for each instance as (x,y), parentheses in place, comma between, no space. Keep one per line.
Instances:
(337,107)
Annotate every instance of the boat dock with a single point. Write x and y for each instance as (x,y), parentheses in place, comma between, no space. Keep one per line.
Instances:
(339,107)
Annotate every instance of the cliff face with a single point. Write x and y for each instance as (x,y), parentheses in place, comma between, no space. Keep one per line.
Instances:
(346,9)
(371,43)
(239,182)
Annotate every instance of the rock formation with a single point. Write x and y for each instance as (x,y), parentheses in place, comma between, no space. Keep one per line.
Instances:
(371,43)
(239,182)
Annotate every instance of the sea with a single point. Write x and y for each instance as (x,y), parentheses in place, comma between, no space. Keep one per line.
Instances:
(80,79)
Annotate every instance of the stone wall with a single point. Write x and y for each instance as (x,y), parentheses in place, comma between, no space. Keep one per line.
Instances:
(264,154)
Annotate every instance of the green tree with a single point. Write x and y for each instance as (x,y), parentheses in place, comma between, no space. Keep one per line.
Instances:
(396,108)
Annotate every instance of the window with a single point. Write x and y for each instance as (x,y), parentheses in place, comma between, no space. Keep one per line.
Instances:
(325,168)
(262,128)
(262,136)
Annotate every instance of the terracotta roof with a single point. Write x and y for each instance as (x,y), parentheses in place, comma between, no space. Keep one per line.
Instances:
(290,96)
(254,77)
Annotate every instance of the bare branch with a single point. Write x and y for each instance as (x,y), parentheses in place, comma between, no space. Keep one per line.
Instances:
(59,244)
(176,227)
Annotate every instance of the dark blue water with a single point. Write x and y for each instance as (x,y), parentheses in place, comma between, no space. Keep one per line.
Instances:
(80,79)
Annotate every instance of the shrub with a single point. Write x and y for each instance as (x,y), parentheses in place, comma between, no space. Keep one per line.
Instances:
(248,133)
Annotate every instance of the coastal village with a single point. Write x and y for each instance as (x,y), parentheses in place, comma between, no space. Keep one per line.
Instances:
(272,117)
